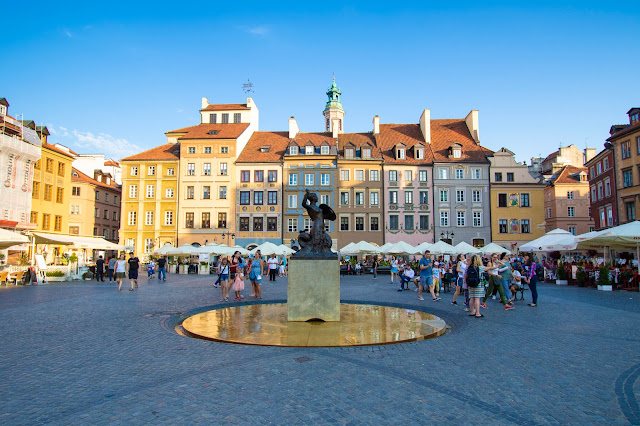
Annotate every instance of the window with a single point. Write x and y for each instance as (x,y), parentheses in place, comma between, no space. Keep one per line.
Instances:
(444,195)
(48,192)
(46,221)
(442,173)
(422,176)
(236,117)
(374,175)
(374,224)
(344,223)
(115,216)
(60,170)
(374,199)
(359,198)
(592,171)
(359,223)
(272,198)
(168,218)
(37,166)
(344,175)
(106,197)
(419,154)
(207,150)
(400,154)
(366,152)
(461,218)
(309,149)
(258,176)
(206,169)
(189,220)
(225,118)
(572,230)
(244,224)
(324,150)
(424,222)
(258,198)
(348,153)
(151,170)
(548,213)
(524,200)
(222,193)
(599,168)
(476,196)
(36,190)
(569,195)
(293,178)
(148,218)
(525,226)
(75,209)
(59,195)
(637,145)
(105,214)
(444,217)
(324,179)
(191,150)
(393,175)
(477,219)
(171,171)
(627,178)
(609,216)
(600,191)
(222,220)
(408,222)
(324,199)
(115,199)
(344,198)
(74,230)
(151,191)
(292,225)
(168,193)
(459,195)
(626,149)
(408,197)
(190,192)
(459,174)
(191,169)
(393,222)
(132,218)
(245,198)
(359,175)
(49,165)
(593,193)
(57,224)
(97,195)
(631,210)
(272,176)
(408,176)
(293,150)
(571,211)
(292,201)
(257,224)
(272,224)
(503,226)
(475,173)
(224,150)
(96,212)
(206,192)
(244,176)
(223,169)
(308,179)
(393,197)
(498,177)
(607,187)
(502,200)
(75,191)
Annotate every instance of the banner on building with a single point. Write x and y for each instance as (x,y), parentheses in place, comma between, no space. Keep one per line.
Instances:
(17,159)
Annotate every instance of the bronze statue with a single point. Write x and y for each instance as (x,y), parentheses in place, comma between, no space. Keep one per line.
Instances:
(317,243)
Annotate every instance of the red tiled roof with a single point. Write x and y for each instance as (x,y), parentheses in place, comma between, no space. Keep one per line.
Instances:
(358,140)
(223,107)
(566,175)
(407,134)
(111,163)
(162,152)
(276,141)
(316,139)
(630,129)
(85,178)
(221,131)
(446,132)
(70,154)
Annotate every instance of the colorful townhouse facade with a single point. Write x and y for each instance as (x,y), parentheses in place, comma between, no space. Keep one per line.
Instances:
(625,141)
(602,189)
(566,201)
(517,201)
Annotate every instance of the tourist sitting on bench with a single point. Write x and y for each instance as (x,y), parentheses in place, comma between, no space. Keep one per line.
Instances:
(406,276)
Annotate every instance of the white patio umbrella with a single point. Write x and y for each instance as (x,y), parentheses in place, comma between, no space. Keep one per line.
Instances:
(493,248)
(442,248)
(362,247)
(285,251)
(346,248)
(383,247)
(183,250)
(164,250)
(558,239)
(466,248)
(9,238)
(621,237)
(400,248)
(422,247)
(267,249)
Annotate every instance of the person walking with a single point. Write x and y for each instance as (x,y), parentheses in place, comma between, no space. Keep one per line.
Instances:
(112,266)
(100,269)
(532,280)
(394,269)
(495,281)
(426,276)
(225,270)
(376,262)
(133,265)
(272,264)
(505,271)
(120,270)
(474,284)
(238,285)
(461,268)
(255,275)
(162,271)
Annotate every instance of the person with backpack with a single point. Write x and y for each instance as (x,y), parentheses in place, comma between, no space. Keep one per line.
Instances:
(474,285)
(532,279)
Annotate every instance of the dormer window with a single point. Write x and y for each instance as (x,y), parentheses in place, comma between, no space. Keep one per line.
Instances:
(420,154)
(634,117)
(457,153)
(324,150)
(3,110)
(400,154)
(293,150)
(265,148)
(348,153)
(309,149)
(213,132)
(366,152)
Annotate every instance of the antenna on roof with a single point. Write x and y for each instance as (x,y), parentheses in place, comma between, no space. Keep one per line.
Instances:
(248,87)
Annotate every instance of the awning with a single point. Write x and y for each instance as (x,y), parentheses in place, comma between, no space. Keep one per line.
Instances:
(9,238)
(76,241)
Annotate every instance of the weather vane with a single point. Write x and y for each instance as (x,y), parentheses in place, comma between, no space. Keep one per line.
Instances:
(248,87)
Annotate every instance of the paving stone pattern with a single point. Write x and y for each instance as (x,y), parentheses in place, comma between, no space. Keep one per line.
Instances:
(80,353)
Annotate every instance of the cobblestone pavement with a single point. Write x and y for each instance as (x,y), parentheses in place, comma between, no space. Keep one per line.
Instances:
(80,353)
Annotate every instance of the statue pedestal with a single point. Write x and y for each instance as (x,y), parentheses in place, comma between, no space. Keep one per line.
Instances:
(313,290)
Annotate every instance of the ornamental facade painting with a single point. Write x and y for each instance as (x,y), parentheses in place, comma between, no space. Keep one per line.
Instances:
(513,199)
(514,226)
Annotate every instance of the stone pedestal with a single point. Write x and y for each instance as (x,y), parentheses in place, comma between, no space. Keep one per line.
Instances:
(313,290)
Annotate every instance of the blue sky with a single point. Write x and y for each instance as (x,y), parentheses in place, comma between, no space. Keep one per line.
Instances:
(113,77)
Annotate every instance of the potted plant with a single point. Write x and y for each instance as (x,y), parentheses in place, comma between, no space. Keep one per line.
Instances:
(1,258)
(204,268)
(55,276)
(581,277)
(604,280)
(563,276)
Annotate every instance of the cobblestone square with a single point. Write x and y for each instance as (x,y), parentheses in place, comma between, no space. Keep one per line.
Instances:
(83,353)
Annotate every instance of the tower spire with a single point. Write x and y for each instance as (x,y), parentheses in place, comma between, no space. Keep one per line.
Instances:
(333,112)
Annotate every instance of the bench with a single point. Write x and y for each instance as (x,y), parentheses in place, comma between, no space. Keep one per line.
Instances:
(4,276)
(446,282)
(523,288)
(16,276)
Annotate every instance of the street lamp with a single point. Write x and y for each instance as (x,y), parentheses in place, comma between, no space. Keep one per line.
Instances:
(446,235)
(228,235)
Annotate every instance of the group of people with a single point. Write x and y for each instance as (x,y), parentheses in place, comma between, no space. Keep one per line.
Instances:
(502,274)
(232,273)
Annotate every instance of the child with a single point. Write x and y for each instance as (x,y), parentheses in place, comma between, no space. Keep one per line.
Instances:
(436,274)
(238,285)
(151,269)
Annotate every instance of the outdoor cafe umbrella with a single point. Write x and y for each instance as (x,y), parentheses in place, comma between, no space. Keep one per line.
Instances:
(422,247)
(164,249)
(621,237)
(9,238)
(346,248)
(466,248)
(400,248)
(183,250)
(442,248)
(267,249)
(493,248)
(362,247)
(558,239)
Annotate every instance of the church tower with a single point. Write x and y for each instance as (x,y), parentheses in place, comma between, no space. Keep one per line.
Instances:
(333,112)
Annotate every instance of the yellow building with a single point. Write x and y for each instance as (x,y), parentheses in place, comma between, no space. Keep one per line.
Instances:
(517,202)
(150,199)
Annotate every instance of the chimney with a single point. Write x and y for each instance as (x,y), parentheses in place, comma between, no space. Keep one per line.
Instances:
(425,125)
(589,153)
(250,102)
(335,127)
(293,128)
(376,125)
(205,103)
(472,125)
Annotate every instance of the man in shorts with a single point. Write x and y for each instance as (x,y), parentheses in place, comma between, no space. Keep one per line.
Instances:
(132,266)
(426,276)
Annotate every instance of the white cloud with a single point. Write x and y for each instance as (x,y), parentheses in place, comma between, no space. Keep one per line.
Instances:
(68,33)
(260,30)
(106,144)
